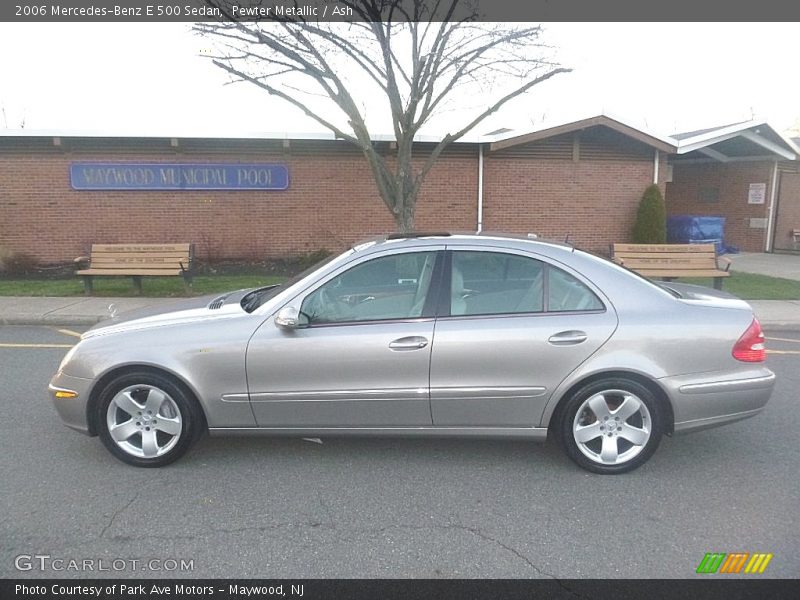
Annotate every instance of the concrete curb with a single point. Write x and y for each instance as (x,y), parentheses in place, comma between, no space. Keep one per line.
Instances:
(767,325)
(59,320)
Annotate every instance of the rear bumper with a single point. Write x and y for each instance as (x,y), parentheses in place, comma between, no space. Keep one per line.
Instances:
(707,400)
(71,410)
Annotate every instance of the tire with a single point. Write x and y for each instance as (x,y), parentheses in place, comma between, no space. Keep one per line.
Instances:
(141,438)
(601,435)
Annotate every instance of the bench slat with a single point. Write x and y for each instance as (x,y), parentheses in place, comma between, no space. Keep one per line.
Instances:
(140,248)
(670,263)
(682,273)
(129,271)
(689,248)
(96,255)
(125,260)
(676,255)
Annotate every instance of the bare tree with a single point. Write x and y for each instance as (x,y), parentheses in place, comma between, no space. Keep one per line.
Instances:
(419,54)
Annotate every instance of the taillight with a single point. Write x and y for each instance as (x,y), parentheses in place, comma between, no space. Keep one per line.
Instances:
(750,347)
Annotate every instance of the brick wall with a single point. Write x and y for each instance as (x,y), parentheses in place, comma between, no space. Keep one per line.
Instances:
(592,201)
(732,183)
(331,202)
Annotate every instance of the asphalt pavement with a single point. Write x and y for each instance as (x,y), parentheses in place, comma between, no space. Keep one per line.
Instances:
(277,507)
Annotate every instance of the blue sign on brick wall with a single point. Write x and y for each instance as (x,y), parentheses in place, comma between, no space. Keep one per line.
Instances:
(178,176)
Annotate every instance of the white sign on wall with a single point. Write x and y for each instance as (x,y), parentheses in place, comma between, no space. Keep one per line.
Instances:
(757,193)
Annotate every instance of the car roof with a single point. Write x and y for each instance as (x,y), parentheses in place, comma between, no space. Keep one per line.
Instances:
(489,239)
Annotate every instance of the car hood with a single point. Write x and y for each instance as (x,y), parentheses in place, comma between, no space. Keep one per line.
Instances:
(186,310)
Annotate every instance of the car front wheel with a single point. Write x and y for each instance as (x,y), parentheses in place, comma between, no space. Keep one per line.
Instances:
(611,426)
(146,420)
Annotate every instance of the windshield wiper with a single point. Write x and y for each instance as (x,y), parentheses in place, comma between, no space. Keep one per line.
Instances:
(257,297)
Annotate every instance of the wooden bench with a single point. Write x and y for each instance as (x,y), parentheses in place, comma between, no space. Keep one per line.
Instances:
(669,261)
(137,261)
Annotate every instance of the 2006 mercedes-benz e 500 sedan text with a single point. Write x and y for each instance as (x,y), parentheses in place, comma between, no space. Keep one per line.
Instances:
(462,335)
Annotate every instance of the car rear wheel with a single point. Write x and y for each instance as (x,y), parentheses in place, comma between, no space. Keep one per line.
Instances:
(611,426)
(146,419)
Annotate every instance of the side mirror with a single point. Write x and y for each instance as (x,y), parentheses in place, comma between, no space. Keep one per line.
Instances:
(288,318)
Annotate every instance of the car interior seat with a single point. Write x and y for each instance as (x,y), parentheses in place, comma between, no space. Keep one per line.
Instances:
(458,304)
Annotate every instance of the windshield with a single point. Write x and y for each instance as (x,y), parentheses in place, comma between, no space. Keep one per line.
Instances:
(252,300)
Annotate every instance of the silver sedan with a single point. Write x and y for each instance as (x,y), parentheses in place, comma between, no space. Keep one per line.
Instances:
(438,335)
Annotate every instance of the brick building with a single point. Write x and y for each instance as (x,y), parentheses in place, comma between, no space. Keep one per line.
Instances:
(61,192)
(745,172)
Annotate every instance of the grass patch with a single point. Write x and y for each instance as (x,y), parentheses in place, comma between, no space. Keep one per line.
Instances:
(750,286)
(156,287)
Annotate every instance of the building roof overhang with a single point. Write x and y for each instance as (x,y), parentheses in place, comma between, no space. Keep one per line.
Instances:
(746,141)
(661,143)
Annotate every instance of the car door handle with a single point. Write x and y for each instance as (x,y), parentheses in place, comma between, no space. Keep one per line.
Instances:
(566,338)
(413,342)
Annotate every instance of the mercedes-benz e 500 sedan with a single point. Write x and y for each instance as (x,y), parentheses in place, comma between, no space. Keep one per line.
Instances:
(437,335)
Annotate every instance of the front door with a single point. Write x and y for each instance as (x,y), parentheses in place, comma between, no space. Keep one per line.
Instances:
(363,356)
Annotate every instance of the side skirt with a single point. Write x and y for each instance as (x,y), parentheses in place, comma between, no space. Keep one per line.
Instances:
(529,433)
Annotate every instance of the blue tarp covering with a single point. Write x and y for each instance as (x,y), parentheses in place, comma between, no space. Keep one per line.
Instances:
(696,229)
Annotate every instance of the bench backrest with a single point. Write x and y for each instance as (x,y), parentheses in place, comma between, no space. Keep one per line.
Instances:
(144,256)
(685,257)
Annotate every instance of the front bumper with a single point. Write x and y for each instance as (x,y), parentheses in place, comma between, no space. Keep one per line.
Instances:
(71,410)
(707,400)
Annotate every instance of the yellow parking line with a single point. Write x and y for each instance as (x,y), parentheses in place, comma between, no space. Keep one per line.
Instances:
(784,340)
(69,332)
(783,351)
(3,345)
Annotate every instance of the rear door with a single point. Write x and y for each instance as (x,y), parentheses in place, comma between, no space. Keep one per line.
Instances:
(512,327)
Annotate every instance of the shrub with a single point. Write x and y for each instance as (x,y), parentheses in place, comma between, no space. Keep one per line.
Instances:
(651,218)
(19,264)
(4,254)
(312,258)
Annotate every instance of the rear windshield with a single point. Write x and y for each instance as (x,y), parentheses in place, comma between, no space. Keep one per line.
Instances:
(656,284)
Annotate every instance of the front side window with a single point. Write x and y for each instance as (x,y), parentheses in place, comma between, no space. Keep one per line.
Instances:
(390,287)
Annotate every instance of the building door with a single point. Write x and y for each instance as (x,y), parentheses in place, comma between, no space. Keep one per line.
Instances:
(786,235)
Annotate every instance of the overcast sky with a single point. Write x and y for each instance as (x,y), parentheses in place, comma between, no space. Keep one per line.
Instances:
(150,78)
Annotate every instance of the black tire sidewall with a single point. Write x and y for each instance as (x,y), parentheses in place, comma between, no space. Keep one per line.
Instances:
(186,405)
(570,409)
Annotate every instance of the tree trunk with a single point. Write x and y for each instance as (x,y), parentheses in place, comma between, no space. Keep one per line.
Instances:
(404,217)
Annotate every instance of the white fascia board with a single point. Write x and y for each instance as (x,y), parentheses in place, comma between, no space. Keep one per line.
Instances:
(722,133)
(691,144)
(514,133)
(664,138)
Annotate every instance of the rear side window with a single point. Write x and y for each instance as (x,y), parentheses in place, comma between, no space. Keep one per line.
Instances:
(565,293)
(498,283)
(486,283)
